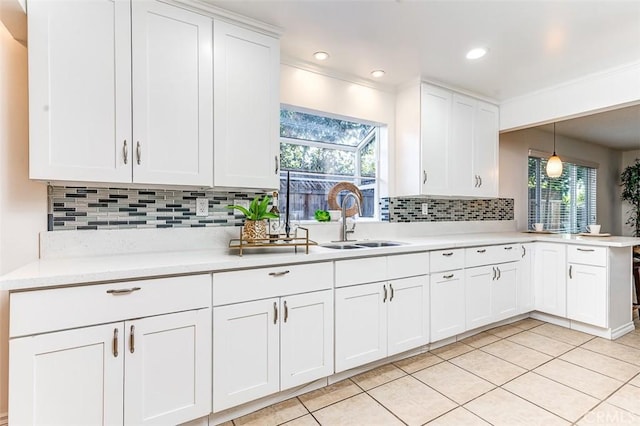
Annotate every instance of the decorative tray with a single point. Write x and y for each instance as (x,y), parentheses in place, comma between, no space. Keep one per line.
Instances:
(589,234)
(281,240)
(538,232)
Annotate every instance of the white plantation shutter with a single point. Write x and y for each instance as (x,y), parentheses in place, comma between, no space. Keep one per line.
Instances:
(563,204)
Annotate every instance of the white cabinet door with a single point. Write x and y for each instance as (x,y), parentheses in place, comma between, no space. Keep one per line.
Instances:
(79,90)
(246,108)
(587,295)
(478,297)
(550,282)
(172,95)
(246,348)
(435,113)
(447,304)
(168,368)
(460,160)
(407,314)
(525,279)
(485,150)
(306,338)
(504,291)
(72,377)
(360,324)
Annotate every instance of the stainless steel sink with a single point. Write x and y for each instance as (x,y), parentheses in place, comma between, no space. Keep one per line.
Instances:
(349,245)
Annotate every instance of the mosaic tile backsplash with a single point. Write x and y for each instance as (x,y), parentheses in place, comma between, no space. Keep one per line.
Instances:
(77,208)
(409,209)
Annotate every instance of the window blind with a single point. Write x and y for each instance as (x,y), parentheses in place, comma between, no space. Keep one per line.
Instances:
(565,204)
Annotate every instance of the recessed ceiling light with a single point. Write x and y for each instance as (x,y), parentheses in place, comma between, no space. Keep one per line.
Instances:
(476,53)
(321,56)
(377,73)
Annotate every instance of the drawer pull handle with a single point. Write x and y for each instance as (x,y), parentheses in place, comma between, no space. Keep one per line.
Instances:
(449,253)
(275,313)
(114,347)
(384,298)
(508,248)
(570,271)
(482,251)
(132,339)
(286,311)
(447,276)
(581,249)
(278,274)
(391,287)
(121,291)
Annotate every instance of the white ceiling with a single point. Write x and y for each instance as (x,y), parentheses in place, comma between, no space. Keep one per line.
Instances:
(532,44)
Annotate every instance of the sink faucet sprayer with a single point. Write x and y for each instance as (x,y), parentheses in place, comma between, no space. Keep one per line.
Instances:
(346,231)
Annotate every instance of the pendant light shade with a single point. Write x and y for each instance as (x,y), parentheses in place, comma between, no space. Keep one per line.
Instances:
(554,164)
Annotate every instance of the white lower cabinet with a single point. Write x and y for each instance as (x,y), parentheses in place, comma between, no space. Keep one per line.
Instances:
(447,304)
(550,278)
(264,346)
(478,300)
(380,319)
(504,291)
(75,359)
(525,279)
(587,294)
(148,371)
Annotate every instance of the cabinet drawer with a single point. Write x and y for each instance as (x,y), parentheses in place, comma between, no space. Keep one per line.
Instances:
(261,283)
(446,260)
(360,271)
(587,255)
(407,265)
(40,311)
(491,255)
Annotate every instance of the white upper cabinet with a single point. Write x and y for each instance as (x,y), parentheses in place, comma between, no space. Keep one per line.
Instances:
(172,95)
(246,108)
(96,116)
(447,144)
(79,90)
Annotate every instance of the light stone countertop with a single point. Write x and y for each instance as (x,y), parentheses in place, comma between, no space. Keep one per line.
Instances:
(63,271)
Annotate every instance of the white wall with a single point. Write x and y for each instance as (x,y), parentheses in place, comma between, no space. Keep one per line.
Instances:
(23,204)
(628,158)
(310,90)
(514,150)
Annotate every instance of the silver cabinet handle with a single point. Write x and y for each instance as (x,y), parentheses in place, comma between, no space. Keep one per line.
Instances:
(499,273)
(524,251)
(277,164)
(449,253)
(132,339)
(494,274)
(114,346)
(391,287)
(508,248)
(424,177)
(482,251)
(125,151)
(384,298)
(476,185)
(275,312)
(581,249)
(121,291)
(570,271)
(278,274)
(286,311)
(138,152)
(480,180)
(446,277)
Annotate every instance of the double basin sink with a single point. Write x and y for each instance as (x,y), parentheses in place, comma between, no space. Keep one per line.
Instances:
(350,245)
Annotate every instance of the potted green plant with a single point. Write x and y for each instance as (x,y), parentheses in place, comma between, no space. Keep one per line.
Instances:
(630,178)
(255,225)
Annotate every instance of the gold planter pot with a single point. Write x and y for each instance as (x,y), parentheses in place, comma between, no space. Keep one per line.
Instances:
(254,230)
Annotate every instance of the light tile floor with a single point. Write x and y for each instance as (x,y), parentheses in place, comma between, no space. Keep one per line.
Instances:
(525,373)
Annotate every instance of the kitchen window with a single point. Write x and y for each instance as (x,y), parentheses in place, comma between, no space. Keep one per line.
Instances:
(564,204)
(319,151)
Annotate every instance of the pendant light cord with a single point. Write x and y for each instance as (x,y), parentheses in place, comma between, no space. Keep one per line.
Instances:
(554,138)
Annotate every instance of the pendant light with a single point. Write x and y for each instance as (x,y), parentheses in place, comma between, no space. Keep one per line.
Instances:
(554,164)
